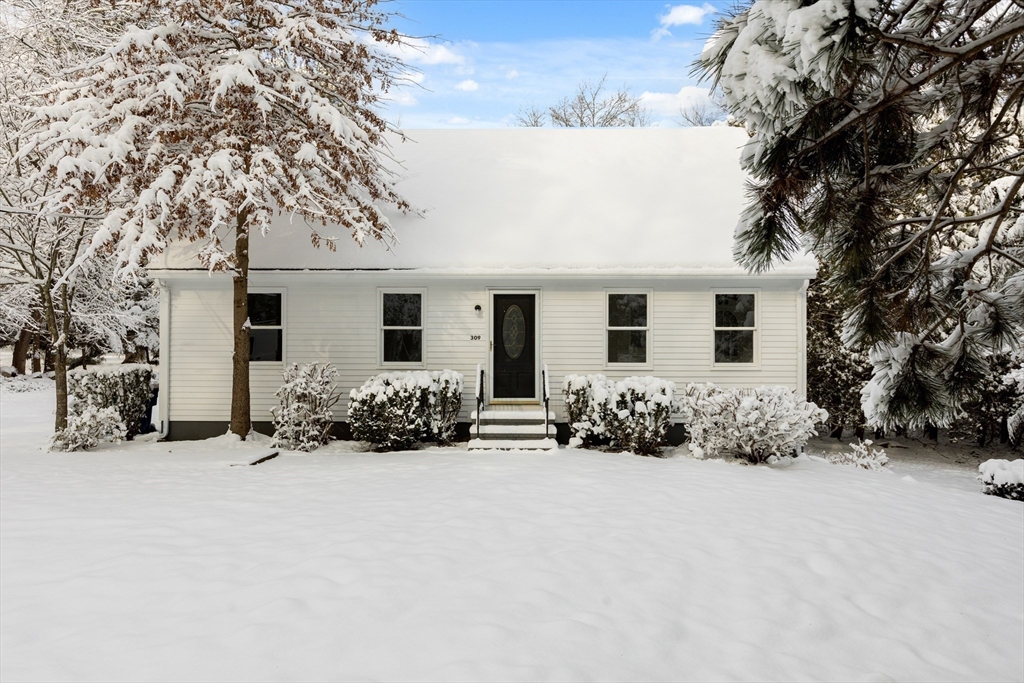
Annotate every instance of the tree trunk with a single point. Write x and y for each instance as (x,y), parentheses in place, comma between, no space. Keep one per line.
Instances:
(240,420)
(20,354)
(60,377)
(37,352)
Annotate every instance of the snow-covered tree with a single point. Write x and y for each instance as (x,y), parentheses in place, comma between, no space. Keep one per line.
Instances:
(38,40)
(887,138)
(835,373)
(207,117)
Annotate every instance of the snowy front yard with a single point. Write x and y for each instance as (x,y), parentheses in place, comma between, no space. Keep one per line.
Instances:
(163,562)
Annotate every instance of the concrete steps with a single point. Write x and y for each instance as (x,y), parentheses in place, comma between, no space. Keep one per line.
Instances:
(513,430)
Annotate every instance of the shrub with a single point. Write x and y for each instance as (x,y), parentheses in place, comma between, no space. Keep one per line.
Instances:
(861,455)
(633,414)
(304,420)
(395,409)
(1003,478)
(584,415)
(87,427)
(758,425)
(125,388)
(445,402)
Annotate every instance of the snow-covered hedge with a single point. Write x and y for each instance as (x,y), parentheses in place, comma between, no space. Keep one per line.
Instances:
(759,425)
(1003,478)
(861,454)
(303,421)
(87,427)
(632,414)
(124,389)
(395,409)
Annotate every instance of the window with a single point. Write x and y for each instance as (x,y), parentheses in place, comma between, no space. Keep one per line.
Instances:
(627,328)
(402,328)
(265,331)
(735,327)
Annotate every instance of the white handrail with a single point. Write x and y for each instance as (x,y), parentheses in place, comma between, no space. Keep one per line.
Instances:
(547,396)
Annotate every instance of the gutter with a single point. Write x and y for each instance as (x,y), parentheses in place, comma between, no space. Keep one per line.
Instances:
(164,402)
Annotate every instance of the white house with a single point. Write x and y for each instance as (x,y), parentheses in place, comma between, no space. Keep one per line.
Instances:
(584,251)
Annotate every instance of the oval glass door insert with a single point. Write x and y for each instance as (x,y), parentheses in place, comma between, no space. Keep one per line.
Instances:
(513,331)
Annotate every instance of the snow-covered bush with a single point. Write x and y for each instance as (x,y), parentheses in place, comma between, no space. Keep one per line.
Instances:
(125,388)
(861,455)
(303,421)
(88,426)
(393,410)
(633,414)
(582,412)
(759,425)
(445,402)
(1003,478)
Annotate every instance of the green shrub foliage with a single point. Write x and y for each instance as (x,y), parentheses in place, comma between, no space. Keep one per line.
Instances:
(394,410)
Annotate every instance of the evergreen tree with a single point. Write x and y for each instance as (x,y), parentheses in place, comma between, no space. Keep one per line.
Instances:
(887,138)
(835,373)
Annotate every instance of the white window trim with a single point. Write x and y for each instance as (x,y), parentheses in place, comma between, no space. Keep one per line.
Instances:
(422,291)
(284,316)
(608,291)
(756,364)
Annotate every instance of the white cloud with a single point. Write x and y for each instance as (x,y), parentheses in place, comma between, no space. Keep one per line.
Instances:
(457,121)
(669,104)
(512,73)
(468,85)
(420,51)
(680,15)
(402,99)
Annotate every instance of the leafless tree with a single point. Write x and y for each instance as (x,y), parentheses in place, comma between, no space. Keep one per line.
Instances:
(590,106)
(701,114)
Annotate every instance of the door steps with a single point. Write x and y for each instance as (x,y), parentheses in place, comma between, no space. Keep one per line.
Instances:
(506,430)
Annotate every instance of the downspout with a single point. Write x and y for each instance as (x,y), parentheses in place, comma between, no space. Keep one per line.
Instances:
(801,317)
(164,401)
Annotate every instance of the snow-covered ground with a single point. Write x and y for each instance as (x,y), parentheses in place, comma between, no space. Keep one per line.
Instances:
(160,561)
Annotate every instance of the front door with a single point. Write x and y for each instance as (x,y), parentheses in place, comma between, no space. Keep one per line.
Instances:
(515,346)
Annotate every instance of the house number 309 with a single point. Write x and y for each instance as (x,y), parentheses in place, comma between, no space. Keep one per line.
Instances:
(474,337)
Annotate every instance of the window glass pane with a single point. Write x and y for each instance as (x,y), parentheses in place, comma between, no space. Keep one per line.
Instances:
(734,310)
(264,344)
(627,310)
(734,346)
(403,346)
(264,309)
(625,346)
(401,310)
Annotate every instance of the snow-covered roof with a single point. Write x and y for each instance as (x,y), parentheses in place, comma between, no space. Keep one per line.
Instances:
(536,199)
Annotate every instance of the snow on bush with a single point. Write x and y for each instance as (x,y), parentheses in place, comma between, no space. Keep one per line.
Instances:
(393,410)
(585,417)
(861,455)
(1003,478)
(88,426)
(123,389)
(632,414)
(303,421)
(759,425)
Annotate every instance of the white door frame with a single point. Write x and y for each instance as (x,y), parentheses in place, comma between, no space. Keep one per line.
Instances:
(537,360)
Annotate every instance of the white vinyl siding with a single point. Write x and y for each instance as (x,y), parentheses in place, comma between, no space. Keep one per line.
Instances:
(337,321)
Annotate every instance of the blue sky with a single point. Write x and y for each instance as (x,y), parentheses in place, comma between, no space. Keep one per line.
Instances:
(479,61)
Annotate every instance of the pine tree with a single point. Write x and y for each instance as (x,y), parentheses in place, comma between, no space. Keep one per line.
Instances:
(835,373)
(887,137)
(207,117)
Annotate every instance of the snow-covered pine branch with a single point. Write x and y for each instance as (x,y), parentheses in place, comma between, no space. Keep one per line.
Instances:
(887,138)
